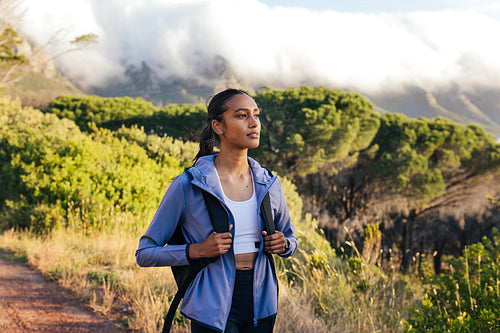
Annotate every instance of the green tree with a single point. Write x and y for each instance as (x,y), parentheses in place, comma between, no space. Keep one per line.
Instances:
(177,121)
(419,159)
(305,128)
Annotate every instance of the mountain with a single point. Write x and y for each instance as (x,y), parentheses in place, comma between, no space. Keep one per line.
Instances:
(142,81)
(480,107)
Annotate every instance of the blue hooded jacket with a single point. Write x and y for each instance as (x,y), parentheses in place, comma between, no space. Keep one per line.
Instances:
(208,299)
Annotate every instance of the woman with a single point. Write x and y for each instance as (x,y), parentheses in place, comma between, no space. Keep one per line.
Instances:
(237,293)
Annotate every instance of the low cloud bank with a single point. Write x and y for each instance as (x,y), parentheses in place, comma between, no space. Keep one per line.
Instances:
(276,46)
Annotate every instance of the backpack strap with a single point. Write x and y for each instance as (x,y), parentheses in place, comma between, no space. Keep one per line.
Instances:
(270,227)
(217,213)
(265,209)
(190,273)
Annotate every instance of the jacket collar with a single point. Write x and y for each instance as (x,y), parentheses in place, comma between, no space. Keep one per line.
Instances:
(205,177)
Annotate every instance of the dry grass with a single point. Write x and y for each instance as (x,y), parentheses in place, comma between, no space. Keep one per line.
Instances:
(317,293)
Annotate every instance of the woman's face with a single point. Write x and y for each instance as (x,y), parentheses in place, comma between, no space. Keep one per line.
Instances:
(241,125)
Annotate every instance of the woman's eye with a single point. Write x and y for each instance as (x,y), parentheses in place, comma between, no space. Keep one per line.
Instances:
(257,115)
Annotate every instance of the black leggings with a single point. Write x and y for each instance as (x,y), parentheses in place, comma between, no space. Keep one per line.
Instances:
(241,315)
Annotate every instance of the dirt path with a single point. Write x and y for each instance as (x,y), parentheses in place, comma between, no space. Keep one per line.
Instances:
(29,302)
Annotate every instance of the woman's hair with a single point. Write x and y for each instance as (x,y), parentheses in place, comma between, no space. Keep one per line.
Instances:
(216,108)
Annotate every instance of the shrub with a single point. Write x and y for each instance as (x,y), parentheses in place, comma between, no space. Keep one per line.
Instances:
(467,297)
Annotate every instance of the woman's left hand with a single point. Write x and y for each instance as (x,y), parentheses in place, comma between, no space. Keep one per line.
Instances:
(275,243)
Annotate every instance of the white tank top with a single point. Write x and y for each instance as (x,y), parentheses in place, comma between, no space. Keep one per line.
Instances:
(246,222)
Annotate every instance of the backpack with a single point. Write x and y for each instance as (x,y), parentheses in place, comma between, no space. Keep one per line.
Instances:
(184,275)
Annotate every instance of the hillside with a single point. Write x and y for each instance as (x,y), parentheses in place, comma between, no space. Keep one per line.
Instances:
(480,107)
(37,81)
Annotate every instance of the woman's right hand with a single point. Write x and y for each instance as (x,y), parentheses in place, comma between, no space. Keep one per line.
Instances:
(214,245)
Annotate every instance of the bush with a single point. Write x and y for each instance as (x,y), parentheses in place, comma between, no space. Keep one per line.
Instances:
(467,297)
(51,170)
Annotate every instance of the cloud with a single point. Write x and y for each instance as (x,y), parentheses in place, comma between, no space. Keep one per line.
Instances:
(275,46)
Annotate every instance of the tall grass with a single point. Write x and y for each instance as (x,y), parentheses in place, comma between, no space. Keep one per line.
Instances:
(318,291)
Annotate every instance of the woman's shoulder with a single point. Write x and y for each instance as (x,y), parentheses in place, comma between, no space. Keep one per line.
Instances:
(182,179)
(262,174)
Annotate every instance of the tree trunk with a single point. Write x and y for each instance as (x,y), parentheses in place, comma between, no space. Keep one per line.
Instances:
(438,248)
(407,243)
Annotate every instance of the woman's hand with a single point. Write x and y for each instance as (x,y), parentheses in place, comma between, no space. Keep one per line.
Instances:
(215,245)
(275,243)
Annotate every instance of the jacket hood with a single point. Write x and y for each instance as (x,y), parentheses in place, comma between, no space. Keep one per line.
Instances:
(204,176)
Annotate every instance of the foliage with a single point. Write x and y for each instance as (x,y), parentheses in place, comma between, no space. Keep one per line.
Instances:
(342,155)
(177,121)
(9,39)
(372,243)
(10,59)
(307,127)
(93,165)
(318,293)
(415,155)
(93,109)
(165,150)
(465,299)
(49,167)
(84,40)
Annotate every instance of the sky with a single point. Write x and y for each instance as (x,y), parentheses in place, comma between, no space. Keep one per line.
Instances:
(369,46)
(489,7)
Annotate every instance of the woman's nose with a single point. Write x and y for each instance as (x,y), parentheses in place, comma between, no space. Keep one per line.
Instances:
(254,121)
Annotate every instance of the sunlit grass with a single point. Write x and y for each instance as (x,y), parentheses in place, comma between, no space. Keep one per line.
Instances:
(318,291)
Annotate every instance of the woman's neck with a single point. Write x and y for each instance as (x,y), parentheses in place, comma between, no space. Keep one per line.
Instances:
(231,163)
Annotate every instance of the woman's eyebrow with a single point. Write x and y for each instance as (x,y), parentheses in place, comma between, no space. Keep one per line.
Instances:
(246,109)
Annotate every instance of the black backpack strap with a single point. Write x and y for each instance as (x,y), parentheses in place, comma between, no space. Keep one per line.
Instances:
(217,213)
(270,227)
(191,274)
(265,208)
(184,275)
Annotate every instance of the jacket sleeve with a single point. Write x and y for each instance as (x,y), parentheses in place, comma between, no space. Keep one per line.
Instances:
(152,250)
(283,222)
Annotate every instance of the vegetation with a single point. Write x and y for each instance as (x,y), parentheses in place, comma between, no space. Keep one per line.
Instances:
(306,128)
(26,69)
(466,298)
(178,121)
(10,60)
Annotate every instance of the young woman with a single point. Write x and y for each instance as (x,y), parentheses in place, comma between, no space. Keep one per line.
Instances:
(238,292)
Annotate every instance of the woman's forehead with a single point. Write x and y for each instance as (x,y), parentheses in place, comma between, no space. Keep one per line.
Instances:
(241,101)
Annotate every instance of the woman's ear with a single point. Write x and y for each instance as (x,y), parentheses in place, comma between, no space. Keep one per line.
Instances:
(217,127)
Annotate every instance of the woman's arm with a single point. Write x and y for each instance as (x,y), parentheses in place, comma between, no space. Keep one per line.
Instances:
(152,250)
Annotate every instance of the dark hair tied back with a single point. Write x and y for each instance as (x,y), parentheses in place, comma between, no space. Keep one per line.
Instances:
(216,107)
